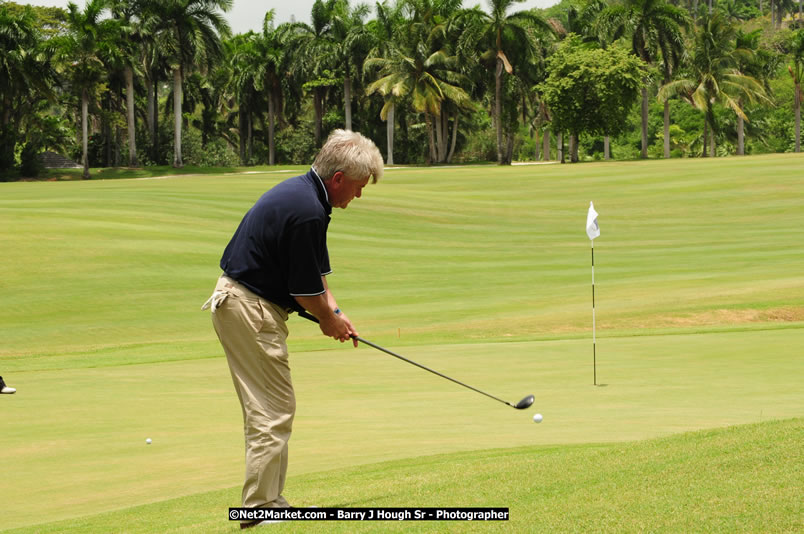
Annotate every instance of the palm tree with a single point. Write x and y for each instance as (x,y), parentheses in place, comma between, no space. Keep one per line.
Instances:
(82,50)
(655,27)
(782,7)
(155,66)
(189,33)
(713,76)
(238,52)
(212,92)
(796,69)
(350,43)
(418,67)
(272,62)
(384,32)
(27,76)
(129,55)
(752,60)
(312,48)
(247,79)
(504,36)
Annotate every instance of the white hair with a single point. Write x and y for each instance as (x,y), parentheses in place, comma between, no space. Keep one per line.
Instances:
(351,153)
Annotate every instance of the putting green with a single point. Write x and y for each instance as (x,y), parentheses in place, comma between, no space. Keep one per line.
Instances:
(83,431)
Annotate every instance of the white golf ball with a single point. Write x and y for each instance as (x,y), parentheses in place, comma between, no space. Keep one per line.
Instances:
(537,418)
(148,441)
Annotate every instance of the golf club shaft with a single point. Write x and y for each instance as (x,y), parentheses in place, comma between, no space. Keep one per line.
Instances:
(395,355)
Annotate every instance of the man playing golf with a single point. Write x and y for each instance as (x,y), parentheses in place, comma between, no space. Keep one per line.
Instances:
(276,263)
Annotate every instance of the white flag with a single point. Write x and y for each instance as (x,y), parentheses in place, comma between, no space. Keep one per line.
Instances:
(592,228)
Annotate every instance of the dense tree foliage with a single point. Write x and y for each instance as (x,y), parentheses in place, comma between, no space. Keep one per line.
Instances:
(148,82)
(591,90)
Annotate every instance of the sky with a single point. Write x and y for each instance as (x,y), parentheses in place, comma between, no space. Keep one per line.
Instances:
(248,15)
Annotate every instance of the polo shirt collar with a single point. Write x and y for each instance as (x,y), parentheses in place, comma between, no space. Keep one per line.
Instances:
(322,189)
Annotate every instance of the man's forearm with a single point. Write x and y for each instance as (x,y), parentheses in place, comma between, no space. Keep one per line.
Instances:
(318,305)
(330,297)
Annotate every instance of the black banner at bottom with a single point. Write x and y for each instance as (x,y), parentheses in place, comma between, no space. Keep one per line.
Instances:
(368,514)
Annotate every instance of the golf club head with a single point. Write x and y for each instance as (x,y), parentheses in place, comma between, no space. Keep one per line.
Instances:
(525,403)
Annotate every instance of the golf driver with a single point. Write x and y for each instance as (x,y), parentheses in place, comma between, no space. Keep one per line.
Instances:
(521,405)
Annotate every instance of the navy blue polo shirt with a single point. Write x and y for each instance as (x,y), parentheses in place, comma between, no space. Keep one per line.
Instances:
(280,248)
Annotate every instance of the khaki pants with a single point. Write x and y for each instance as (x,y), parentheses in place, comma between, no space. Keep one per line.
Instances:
(252,332)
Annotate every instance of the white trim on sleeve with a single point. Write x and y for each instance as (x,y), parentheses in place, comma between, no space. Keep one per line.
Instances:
(307,294)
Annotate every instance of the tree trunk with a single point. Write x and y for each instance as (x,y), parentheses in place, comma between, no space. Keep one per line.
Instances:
(6,113)
(117,143)
(666,129)
(534,134)
(740,136)
(271,121)
(389,132)
(509,151)
(318,105)
(644,154)
(498,109)
(779,14)
(560,147)
(429,120)
(250,124)
(242,134)
(798,116)
(444,135)
(149,111)
(454,137)
(573,147)
(106,128)
(773,14)
(177,98)
(438,125)
(155,119)
(705,138)
(606,147)
(545,132)
(712,151)
(132,131)
(85,132)
(347,100)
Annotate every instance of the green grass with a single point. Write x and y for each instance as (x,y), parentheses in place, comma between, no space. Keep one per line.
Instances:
(158,171)
(428,256)
(741,479)
(480,272)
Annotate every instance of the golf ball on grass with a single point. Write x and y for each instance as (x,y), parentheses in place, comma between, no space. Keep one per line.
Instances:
(537,418)
(148,441)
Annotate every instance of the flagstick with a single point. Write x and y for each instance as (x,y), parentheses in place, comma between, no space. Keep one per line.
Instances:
(594,343)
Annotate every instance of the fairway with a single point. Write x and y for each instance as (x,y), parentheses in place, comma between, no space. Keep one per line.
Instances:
(482,273)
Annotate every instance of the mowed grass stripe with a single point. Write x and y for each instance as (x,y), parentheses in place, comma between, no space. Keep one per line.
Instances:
(678,236)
